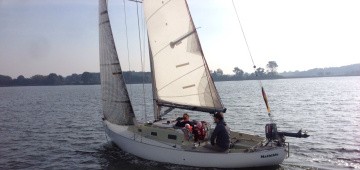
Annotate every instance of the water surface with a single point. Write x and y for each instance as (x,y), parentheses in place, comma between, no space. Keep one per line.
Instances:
(59,127)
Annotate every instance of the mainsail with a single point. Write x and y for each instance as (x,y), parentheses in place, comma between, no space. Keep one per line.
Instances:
(180,72)
(116,104)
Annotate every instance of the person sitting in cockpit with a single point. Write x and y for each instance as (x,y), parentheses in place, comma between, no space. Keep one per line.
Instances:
(182,121)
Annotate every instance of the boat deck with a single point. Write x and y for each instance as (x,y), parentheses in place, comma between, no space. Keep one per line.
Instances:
(165,131)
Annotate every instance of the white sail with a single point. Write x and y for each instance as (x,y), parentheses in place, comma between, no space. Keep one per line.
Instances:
(181,75)
(116,104)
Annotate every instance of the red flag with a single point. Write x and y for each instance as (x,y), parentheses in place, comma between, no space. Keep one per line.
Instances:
(265,99)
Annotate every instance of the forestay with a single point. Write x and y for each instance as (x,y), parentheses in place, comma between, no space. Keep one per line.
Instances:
(182,77)
(116,104)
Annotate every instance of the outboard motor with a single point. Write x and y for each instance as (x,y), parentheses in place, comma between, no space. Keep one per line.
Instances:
(272,135)
(271,131)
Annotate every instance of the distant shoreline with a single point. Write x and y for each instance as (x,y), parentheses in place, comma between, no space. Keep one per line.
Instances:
(280,78)
(132,77)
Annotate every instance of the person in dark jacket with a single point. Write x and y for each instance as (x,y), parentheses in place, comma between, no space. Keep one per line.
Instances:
(182,121)
(220,137)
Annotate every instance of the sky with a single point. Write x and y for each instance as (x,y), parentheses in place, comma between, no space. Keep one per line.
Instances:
(47,36)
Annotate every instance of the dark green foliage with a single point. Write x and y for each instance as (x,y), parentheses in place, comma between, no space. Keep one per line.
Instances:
(5,80)
(73,79)
(132,77)
(85,78)
(238,72)
(90,78)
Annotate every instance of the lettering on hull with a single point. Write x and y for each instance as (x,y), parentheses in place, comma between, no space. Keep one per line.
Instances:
(269,155)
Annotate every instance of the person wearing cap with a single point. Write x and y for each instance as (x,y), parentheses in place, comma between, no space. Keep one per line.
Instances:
(220,137)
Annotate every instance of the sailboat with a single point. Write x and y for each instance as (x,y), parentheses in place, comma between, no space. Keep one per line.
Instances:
(180,79)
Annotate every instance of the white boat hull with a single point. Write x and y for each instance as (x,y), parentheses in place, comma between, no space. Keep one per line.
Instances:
(162,152)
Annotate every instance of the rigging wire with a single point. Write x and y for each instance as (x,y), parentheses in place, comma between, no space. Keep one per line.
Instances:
(146,51)
(141,58)
(127,45)
(144,55)
(144,35)
(254,66)
(242,30)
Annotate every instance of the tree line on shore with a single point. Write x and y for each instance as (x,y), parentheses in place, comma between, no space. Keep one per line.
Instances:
(85,78)
(132,77)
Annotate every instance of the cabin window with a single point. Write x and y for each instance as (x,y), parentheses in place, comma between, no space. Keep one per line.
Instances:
(139,130)
(172,137)
(154,133)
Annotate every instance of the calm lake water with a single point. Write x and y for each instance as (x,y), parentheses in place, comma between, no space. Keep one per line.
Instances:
(59,127)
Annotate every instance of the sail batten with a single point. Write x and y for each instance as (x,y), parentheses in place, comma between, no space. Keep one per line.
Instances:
(178,63)
(182,95)
(150,15)
(181,65)
(178,78)
(116,104)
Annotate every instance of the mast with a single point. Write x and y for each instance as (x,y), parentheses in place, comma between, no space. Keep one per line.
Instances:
(157,109)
